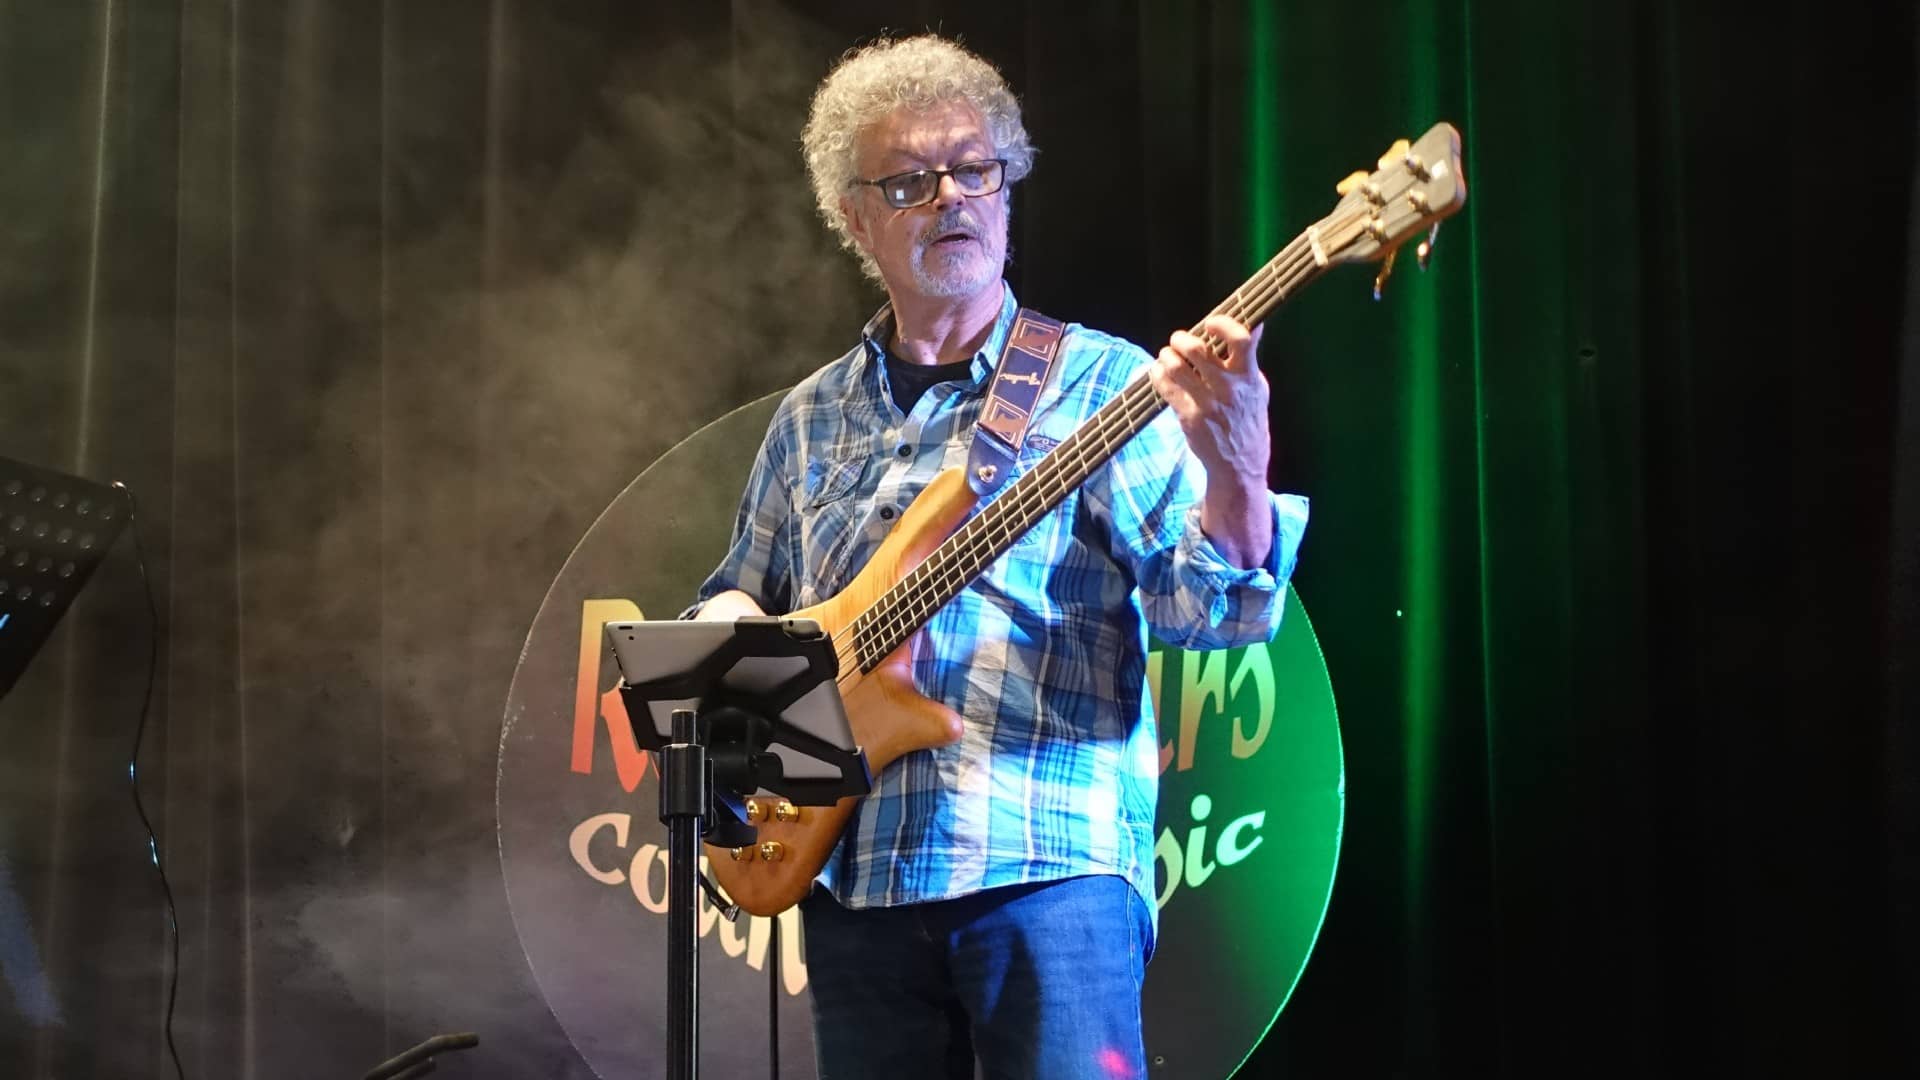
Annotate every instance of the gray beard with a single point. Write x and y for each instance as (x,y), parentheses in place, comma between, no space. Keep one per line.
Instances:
(962,280)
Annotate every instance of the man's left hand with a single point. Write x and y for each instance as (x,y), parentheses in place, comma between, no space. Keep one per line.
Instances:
(1221,401)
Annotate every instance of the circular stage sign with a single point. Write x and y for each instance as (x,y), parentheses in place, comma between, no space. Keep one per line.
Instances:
(1251,804)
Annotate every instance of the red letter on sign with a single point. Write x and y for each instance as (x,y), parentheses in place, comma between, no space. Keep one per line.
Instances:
(590,704)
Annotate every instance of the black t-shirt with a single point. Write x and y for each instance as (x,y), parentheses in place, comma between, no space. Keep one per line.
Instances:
(910,381)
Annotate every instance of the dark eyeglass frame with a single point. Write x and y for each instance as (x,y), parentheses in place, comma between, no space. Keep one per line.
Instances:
(886,184)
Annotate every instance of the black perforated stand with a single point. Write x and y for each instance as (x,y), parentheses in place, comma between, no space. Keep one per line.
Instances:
(54,531)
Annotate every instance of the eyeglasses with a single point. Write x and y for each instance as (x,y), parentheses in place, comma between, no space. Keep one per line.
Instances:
(906,190)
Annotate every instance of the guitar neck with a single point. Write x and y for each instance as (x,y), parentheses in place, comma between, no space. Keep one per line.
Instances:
(903,609)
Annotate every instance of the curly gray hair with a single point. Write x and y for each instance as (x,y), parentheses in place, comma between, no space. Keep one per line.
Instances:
(871,82)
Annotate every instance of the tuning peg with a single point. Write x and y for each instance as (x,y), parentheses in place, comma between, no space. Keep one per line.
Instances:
(1351,183)
(1386,271)
(1425,249)
(1395,154)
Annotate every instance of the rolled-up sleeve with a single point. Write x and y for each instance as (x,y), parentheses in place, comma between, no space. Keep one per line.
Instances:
(1192,597)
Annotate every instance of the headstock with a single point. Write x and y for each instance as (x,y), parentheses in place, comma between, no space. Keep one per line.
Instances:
(1414,188)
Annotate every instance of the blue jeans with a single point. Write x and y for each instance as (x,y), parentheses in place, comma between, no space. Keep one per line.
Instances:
(1041,982)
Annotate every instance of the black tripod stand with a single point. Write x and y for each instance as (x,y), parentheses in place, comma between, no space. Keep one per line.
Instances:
(760,698)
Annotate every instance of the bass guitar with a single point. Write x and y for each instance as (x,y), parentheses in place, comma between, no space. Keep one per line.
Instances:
(935,550)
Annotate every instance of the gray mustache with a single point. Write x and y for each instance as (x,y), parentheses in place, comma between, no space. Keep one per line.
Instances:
(954,220)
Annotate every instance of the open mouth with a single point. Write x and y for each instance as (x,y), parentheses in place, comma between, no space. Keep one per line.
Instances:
(953,239)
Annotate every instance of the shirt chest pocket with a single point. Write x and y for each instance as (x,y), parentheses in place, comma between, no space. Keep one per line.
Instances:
(1036,446)
(828,499)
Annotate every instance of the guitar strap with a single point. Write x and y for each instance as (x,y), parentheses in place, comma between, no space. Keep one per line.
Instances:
(1025,362)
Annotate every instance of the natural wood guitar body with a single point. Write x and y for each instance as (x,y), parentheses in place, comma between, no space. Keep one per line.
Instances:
(888,716)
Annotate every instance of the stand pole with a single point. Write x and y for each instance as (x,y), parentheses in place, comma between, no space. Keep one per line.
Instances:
(683,801)
(711,761)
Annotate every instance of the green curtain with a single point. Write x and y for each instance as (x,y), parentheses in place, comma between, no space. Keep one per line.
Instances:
(1603,501)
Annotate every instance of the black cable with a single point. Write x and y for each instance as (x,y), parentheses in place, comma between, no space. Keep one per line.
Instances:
(133,773)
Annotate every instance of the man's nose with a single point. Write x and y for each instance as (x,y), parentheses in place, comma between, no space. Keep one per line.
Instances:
(948,194)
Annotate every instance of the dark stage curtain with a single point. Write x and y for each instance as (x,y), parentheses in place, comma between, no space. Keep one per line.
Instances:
(377,305)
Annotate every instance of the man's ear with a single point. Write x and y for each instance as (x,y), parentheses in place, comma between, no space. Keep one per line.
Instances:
(856,225)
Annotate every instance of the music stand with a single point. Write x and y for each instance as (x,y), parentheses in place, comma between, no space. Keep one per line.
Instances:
(54,531)
(731,709)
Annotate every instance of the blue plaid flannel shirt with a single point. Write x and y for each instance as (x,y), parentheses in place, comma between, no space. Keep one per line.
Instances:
(1044,654)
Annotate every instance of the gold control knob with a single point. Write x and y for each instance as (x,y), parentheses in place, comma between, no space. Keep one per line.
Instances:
(785,811)
(772,851)
(736,854)
(756,811)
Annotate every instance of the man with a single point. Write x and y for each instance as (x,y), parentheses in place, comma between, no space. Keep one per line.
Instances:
(993,898)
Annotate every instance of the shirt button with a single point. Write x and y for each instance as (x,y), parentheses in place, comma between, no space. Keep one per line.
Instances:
(886,513)
(905,450)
